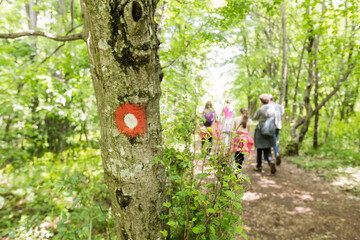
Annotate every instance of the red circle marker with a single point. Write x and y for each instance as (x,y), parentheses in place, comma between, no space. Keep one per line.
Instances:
(131,119)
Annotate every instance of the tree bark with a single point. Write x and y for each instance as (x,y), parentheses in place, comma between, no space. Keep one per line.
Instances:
(122,45)
(316,103)
(73,37)
(328,127)
(252,105)
(317,79)
(295,145)
(284,71)
(271,72)
(32,15)
(62,8)
(297,83)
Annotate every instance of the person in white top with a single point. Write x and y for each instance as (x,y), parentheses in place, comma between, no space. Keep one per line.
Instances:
(243,120)
(278,118)
(242,141)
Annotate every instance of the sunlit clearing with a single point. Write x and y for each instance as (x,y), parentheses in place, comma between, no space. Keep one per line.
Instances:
(300,210)
(251,196)
(303,195)
(297,196)
(268,183)
(350,177)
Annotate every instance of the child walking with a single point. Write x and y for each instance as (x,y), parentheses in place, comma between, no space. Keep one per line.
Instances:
(207,132)
(242,141)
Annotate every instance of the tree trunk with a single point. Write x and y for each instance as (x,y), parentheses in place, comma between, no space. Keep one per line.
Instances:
(284,60)
(252,105)
(271,72)
(297,83)
(72,13)
(32,15)
(316,104)
(309,111)
(7,128)
(328,126)
(62,8)
(122,46)
(32,22)
(316,90)
(348,101)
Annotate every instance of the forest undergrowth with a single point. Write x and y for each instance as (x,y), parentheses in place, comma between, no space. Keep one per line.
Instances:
(56,198)
(65,197)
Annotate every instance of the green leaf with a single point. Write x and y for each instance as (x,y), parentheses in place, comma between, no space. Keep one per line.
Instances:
(202,175)
(164,233)
(212,229)
(171,223)
(237,205)
(167,204)
(195,230)
(211,210)
(230,194)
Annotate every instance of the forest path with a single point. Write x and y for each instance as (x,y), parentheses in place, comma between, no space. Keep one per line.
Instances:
(296,204)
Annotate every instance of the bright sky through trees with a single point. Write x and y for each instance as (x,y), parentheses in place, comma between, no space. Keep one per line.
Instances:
(220,75)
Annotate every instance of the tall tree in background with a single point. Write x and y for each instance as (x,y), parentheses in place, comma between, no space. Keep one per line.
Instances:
(284,69)
(318,65)
(307,33)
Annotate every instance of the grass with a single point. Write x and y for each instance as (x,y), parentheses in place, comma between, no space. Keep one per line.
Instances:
(338,160)
(339,166)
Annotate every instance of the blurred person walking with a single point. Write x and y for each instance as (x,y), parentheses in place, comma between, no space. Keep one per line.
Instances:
(278,118)
(265,133)
(242,141)
(228,122)
(207,131)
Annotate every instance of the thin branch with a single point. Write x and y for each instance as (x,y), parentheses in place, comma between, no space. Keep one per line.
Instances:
(351,65)
(265,17)
(42,34)
(338,84)
(336,88)
(49,56)
(60,46)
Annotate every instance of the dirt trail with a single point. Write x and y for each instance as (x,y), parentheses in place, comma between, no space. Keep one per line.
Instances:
(296,204)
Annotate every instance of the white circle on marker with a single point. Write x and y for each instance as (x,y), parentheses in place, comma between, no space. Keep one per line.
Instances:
(130,121)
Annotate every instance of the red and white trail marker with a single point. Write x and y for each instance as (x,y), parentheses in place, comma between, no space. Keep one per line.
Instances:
(131,119)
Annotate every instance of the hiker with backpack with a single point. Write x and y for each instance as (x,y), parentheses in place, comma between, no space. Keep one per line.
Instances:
(242,141)
(265,133)
(228,122)
(279,112)
(208,129)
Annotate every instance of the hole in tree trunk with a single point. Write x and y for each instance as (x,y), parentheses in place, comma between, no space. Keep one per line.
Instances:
(122,199)
(136,11)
